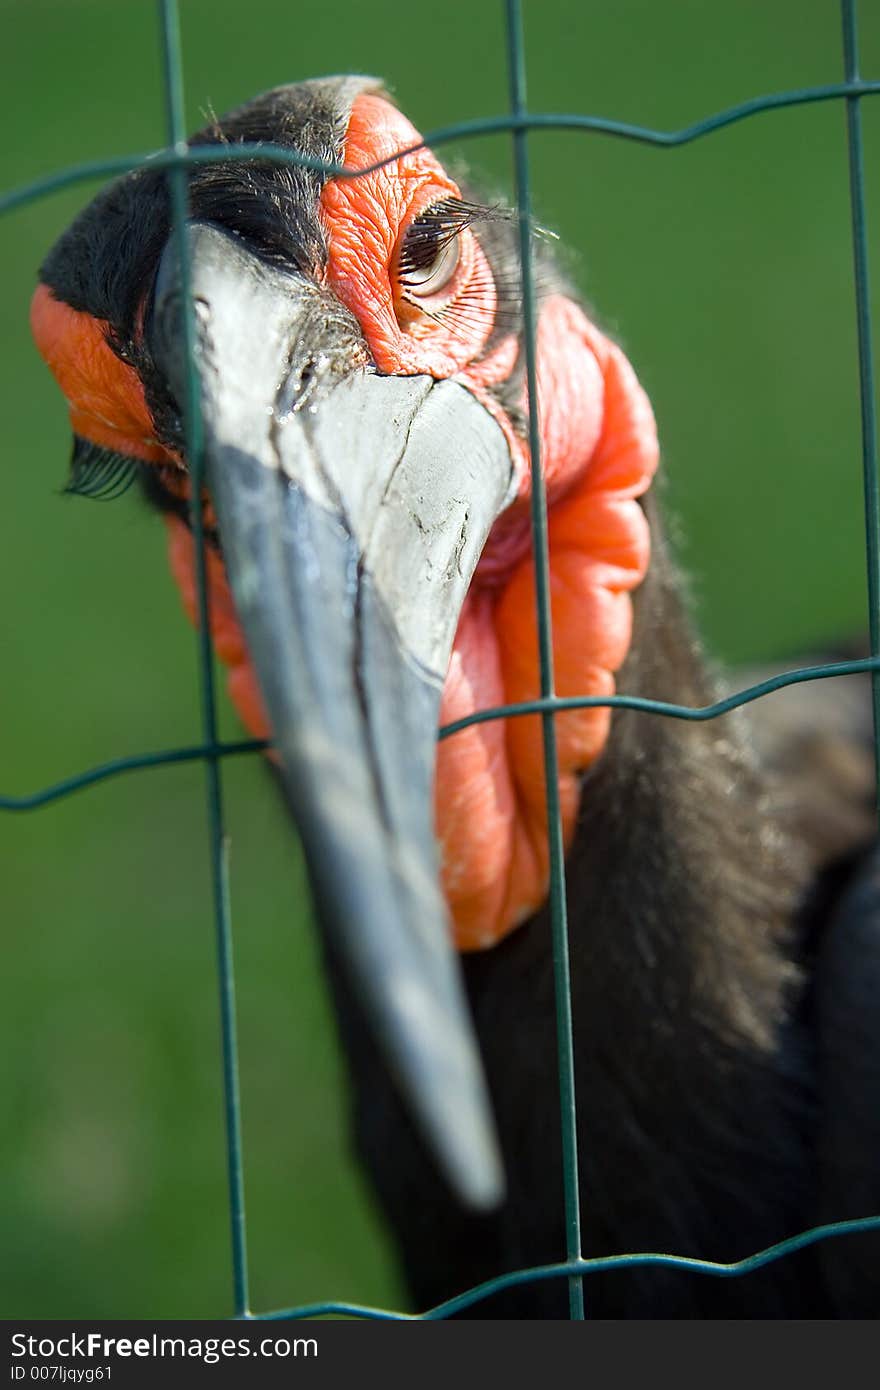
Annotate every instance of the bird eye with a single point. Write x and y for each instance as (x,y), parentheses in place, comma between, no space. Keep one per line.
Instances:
(430,252)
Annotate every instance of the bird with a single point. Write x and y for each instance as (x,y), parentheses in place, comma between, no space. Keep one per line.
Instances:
(358,346)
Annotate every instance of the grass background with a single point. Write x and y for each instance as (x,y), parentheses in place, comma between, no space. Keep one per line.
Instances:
(725,269)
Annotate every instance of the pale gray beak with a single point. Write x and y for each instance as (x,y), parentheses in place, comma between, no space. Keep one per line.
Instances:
(352,510)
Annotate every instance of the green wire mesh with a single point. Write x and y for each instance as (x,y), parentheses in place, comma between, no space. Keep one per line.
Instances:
(177,157)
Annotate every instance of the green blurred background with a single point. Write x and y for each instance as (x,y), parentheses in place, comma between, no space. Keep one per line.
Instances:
(725,269)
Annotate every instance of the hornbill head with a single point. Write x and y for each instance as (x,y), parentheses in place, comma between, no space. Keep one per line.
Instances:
(357,344)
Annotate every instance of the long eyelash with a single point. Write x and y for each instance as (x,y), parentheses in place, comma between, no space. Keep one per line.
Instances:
(99,474)
(437,226)
(428,236)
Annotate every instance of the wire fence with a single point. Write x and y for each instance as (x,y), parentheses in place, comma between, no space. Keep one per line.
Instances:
(177,158)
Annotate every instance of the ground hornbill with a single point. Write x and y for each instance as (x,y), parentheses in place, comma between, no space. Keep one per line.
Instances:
(360,357)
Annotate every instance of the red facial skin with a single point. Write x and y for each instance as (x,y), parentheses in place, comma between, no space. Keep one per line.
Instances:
(599,451)
(105,395)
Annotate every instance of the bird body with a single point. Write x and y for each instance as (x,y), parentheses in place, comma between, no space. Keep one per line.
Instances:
(359,347)
(699,1104)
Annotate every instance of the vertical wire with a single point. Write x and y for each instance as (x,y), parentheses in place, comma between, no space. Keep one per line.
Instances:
(558,913)
(866,367)
(194,434)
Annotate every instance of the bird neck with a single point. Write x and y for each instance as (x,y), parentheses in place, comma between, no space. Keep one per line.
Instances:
(685,984)
(688,880)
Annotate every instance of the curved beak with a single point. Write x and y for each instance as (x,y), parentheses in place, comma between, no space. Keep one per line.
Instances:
(352,509)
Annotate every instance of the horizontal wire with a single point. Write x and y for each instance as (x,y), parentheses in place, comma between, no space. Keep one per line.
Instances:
(135,763)
(736,1269)
(695,713)
(558,704)
(463,130)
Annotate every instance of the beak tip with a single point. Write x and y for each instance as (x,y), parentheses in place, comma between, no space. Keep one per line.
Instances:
(483,1188)
(470,1161)
(452,1097)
